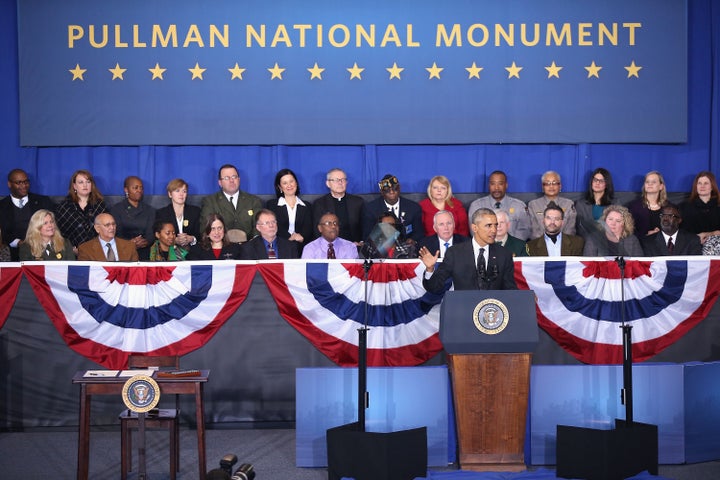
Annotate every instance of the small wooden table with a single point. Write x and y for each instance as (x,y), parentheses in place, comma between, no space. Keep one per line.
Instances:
(90,386)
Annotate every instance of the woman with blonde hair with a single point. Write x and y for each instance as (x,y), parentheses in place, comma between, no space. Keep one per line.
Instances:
(440,197)
(646,209)
(43,241)
(616,238)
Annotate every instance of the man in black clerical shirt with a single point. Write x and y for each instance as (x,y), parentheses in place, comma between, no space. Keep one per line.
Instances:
(348,208)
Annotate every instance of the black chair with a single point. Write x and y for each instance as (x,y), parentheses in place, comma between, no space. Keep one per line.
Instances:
(166,418)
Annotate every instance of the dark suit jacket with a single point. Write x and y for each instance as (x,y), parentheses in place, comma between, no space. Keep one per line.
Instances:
(516,246)
(459,264)
(228,252)
(572,245)
(686,243)
(355,207)
(433,243)
(191,215)
(412,220)
(304,224)
(255,249)
(92,250)
(10,229)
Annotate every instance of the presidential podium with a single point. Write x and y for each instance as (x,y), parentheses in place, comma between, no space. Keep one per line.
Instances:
(489,336)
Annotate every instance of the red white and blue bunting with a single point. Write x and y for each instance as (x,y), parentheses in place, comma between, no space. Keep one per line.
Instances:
(9,285)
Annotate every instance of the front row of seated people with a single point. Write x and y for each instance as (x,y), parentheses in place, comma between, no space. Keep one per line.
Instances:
(603,228)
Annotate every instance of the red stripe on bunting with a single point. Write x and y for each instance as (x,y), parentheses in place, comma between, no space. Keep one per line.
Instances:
(113,358)
(9,285)
(130,275)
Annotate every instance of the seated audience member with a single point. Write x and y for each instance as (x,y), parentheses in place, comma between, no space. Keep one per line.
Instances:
(498,200)
(440,197)
(444,237)
(164,248)
(106,247)
(294,216)
(551,187)
(43,240)
(711,246)
(237,207)
(554,243)
(671,240)
(475,265)
(701,212)
(134,217)
(600,194)
(404,209)
(646,209)
(387,240)
(504,239)
(4,251)
(267,245)
(328,244)
(17,208)
(76,214)
(214,244)
(185,216)
(348,208)
(616,239)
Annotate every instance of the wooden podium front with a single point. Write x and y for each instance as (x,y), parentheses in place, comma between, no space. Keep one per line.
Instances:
(490,392)
(489,356)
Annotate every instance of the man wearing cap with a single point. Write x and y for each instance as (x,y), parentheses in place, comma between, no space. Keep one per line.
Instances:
(408,212)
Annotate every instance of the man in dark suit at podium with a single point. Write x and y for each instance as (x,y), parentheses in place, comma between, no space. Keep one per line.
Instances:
(475,265)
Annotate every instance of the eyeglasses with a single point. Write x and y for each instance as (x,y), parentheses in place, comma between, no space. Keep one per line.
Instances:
(268,223)
(598,180)
(227,178)
(337,180)
(330,224)
(551,184)
(669,215)
(21,182)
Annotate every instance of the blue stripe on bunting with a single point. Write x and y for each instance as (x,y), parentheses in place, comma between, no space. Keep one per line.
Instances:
(139,318)
(635,309)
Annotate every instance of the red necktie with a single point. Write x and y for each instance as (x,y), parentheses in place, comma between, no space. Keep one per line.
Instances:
(271,252)
(331,251)
(671,246)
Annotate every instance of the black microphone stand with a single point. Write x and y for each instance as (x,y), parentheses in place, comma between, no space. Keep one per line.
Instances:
(363,395)
(626,394)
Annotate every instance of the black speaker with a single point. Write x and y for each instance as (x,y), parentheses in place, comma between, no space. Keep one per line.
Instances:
(613,454)
(362,455)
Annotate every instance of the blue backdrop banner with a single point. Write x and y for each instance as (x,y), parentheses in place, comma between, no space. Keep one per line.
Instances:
(185,72)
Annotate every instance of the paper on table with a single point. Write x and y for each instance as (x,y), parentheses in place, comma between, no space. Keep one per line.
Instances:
(132,373)
(101,373)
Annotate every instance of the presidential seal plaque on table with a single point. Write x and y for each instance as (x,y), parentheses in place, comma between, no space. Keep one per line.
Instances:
(141,393)
(491,316)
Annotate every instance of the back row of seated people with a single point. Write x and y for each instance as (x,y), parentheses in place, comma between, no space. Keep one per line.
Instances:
(232,224)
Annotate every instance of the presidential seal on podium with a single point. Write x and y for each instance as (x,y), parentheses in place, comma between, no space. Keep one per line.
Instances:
(491,316)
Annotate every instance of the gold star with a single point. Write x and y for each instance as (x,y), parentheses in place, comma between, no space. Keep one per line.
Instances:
(157,71)
(633,70)
(236,72)
(553,70)
(355,71)
(78,72)
(434,71)
(474,71)
(395,71)
(276,72)
(316,72)
(196,71)
(593,70)
(513,70)
(117,72)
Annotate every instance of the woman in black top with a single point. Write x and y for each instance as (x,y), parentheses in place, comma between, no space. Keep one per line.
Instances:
(701,212)
(294,216)
(214,244)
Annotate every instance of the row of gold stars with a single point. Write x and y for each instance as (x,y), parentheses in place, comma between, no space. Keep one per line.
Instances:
(276,72)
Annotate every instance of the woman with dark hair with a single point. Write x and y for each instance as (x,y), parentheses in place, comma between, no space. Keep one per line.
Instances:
(76,214)
(164,248)
(214,244)
(646,209)
(701,212)
(600,194)
(294,216)
(135,219)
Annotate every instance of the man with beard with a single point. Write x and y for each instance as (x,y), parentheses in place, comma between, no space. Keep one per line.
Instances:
(554,243)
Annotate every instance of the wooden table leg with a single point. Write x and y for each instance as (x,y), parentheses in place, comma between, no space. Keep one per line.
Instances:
(84,435)
(200,418)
